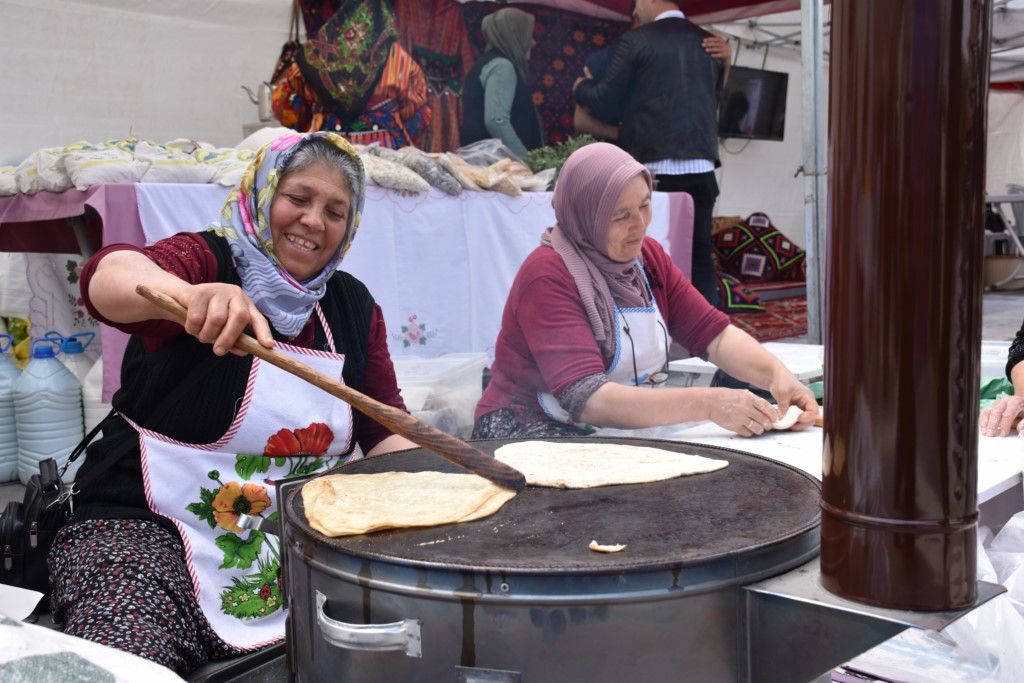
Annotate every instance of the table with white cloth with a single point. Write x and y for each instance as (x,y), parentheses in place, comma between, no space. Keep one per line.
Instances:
(1000,459)
(439,266)
(805,361)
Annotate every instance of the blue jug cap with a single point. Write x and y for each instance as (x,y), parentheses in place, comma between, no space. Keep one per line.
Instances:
(47,347)
(72,345)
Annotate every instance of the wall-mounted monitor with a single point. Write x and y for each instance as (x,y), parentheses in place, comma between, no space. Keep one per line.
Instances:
(753,104)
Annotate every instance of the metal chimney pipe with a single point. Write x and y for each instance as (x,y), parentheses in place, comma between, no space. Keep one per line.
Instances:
(909,93)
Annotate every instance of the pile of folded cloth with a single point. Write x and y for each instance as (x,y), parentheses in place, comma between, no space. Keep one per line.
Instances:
(84,164)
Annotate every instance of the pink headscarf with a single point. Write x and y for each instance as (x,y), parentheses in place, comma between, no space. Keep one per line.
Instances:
(586,193)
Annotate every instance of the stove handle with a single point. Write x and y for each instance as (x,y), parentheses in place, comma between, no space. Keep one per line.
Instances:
(400,635)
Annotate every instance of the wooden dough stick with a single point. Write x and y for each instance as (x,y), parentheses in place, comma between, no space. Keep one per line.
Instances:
(399,422)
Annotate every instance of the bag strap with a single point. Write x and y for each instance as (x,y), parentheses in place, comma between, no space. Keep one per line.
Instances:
(293,28)
(80,448)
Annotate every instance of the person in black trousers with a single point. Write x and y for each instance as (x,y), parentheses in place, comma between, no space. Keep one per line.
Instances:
(666,87)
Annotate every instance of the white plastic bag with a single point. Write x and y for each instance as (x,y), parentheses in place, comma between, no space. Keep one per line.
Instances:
(42,171)
(89,164)
(1006,553)
(8,183)
(983,646)
(36,653)
(168,165)
(228,163)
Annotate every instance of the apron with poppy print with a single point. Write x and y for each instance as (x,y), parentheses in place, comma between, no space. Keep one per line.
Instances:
(641,351)
(285,427)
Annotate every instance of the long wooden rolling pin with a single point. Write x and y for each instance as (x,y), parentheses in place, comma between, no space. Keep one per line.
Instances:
(399,422)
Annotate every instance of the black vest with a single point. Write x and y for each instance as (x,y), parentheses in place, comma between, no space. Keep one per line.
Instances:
(184,391)
(524,114)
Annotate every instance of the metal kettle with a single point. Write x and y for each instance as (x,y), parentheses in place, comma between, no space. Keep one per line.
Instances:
(261,98)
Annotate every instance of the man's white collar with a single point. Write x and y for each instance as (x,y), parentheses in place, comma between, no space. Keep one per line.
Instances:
(670,13)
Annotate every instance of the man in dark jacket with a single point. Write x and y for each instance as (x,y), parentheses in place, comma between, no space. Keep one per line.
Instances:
(666,87)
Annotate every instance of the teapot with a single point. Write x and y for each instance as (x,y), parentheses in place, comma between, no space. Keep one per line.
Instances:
(261,98)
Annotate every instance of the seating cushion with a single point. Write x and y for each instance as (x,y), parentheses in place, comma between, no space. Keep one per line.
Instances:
(755,251)
(734,297)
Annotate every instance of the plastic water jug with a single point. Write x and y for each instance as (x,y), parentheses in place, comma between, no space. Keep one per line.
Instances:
(92,397)
(48,410)
(9,374)
(73,354)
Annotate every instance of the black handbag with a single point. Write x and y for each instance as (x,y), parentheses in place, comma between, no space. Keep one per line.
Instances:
(28,528)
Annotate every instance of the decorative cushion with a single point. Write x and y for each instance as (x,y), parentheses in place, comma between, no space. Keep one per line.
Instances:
(734,297)
(755,251)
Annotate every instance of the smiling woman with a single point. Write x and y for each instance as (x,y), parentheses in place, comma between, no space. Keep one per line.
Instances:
(311,223)
(201,432)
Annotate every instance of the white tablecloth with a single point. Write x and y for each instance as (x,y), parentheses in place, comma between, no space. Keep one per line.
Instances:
(1000,460)
(439,266)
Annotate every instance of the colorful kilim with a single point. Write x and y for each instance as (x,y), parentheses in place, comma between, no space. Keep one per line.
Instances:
(755,251)
(564,41)
(395,116)
(781,318)
(315,13)
(343,60)
(434,32)
(734,297)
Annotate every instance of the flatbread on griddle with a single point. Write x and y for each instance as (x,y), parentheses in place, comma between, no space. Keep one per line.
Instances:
(588,465)
(349,504)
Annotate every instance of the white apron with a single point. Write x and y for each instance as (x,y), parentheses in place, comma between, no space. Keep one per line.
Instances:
(202,487)
(649,334)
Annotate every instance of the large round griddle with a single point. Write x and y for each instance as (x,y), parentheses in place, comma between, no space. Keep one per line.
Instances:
(752,504)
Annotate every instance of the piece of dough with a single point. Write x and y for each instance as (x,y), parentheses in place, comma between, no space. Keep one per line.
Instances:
(789,419)
(598,548)
(586,465)
(348,504)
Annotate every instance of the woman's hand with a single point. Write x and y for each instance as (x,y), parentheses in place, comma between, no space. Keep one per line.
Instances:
(997,419)
(788,390)
(717,47)
(740,411)
(218,314)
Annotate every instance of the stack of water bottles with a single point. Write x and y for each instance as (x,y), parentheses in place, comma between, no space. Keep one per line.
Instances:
(47,405)
(9,374)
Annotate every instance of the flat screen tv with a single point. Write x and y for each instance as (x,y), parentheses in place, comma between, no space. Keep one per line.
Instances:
(753,104)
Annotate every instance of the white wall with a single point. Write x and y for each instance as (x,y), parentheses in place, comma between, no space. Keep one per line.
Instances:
(1005,164)
(757,175)
(159,69)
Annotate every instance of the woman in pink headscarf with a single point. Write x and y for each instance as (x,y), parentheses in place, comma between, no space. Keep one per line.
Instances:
(587,326)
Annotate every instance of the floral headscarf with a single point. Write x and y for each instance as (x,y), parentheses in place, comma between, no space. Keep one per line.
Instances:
(587,190)
(286,302)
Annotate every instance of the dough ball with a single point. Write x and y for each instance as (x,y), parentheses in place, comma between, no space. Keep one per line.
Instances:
(789,419)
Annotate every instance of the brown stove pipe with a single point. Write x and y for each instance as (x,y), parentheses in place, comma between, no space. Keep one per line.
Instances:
(909,94)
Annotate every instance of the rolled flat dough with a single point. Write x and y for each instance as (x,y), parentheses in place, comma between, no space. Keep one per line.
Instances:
(586,465)
(349,504)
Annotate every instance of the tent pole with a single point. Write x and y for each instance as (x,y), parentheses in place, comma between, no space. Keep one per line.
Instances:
(812,53)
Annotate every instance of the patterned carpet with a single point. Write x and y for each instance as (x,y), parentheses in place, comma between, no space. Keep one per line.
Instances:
(781,318)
